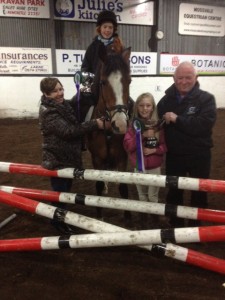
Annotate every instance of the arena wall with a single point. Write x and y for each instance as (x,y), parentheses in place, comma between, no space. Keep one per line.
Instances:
(20,96)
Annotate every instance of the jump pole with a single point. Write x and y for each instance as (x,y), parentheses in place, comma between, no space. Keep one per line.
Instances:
(84,241)
(186,183)
(144,237)
(122,204)
(169,250)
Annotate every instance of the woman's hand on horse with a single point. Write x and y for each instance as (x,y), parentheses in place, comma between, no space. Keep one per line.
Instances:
(103,124)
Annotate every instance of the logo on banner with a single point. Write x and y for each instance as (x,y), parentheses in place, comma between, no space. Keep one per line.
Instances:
(64,8)
(175,61)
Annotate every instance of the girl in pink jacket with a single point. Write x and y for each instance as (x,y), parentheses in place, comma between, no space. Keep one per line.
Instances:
(153,143)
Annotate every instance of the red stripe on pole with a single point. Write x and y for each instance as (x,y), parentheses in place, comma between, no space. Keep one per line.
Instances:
(206,261)
(37,194)
(21,244)
(212,233)
(209,185)
(18,202)
(31,170)
(210,215)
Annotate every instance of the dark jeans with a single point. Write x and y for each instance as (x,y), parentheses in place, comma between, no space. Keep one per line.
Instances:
(59,184)
(195,166)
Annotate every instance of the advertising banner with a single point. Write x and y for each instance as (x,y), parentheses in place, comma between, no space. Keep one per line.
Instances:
(204,64)
(138,12)
(141,63)
(204,20)
(25,8)
(25,61)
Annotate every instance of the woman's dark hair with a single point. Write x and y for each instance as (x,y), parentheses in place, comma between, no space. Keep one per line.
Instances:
(47,85)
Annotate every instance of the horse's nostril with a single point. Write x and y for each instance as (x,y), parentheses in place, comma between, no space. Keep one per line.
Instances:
(118,130)
(115,128)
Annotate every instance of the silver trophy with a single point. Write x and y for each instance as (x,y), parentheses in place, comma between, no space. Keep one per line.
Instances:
(86,79)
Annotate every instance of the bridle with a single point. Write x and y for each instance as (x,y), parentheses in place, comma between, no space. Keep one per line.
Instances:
(109,113)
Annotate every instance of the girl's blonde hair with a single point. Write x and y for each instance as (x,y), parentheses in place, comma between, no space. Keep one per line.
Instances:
(154,115)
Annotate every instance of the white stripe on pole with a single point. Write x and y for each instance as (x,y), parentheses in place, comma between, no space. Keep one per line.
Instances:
(8,189)
(123,204)
(67,197)
(139,178)
(187,212)
(177,252)
(115,239)
(125,177)
(142,237)
(4,167)
(66,173)
(45,210)
(187,183)
(187,235)
(48,243)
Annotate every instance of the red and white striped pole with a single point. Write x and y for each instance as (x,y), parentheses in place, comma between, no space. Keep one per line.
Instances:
(177,235)
(170,250)
(185,183)
(175,252)
(191,257)
(122,204)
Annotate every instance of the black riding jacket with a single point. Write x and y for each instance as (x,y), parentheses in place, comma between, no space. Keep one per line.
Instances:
(91,58)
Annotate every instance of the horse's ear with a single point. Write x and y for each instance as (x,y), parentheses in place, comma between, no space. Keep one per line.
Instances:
(102,52)
(126,54)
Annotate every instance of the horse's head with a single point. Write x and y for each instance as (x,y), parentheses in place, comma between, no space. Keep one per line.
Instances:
(114,78)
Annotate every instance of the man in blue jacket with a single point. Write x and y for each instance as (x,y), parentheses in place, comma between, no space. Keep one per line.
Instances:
(190,114)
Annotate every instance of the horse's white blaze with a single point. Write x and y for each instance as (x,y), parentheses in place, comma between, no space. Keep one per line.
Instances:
(116,84)
(119,119)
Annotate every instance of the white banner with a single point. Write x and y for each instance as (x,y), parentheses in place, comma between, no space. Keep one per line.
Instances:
(196,19)
(141,63)
(25,61)
(138,12)
(25,8)
(204,64)
(69,61)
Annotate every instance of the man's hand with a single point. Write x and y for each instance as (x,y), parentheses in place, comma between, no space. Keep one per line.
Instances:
(170,117)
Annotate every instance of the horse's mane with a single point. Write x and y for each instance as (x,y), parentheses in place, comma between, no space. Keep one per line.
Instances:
(114,62)
(110,61)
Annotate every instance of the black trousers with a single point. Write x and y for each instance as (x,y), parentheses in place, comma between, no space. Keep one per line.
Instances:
(61,185)
(195,166)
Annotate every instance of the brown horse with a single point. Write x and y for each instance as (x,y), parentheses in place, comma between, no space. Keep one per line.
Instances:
(112,87)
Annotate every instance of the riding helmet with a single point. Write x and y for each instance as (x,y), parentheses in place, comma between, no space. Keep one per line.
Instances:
(106,16)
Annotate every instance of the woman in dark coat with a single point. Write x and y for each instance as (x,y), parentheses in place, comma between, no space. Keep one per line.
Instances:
(62,134)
